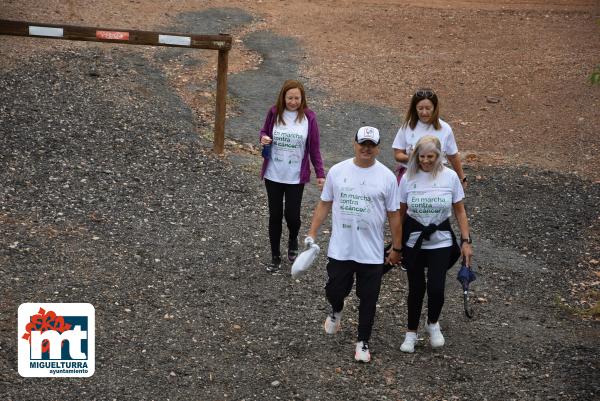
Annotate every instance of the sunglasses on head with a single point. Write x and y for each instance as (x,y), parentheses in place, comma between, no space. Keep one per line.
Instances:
(425,93)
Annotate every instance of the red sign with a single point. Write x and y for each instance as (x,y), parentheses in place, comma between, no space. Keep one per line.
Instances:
(112,35)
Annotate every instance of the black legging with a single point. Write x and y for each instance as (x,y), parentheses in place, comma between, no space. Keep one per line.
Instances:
(436,261)
(292,193)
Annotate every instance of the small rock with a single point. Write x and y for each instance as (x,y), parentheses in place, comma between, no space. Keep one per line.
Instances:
(492,99)
(275,383)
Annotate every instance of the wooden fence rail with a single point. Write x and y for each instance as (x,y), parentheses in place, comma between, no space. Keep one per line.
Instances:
(220,42)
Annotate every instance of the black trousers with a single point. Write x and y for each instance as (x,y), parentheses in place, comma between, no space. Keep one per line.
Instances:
(368,283)
(276,193)
(436,261)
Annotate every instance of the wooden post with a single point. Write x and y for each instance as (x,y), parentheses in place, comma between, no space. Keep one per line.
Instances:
(220,42)
(112,35)
(219,135)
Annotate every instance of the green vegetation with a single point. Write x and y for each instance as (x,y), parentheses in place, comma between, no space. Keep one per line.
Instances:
(595,77)
(587,308)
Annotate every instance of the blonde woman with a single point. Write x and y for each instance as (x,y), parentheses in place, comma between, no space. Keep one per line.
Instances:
(429,193)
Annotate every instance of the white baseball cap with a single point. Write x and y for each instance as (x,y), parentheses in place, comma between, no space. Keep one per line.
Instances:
(367,134)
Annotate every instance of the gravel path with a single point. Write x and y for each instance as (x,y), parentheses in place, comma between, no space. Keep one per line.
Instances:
(108,196)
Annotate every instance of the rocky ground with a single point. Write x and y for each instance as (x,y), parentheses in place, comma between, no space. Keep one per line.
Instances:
(110,195)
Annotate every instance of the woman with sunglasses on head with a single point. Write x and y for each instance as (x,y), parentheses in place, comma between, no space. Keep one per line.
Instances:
(429,193)
(290,136)
(423,118)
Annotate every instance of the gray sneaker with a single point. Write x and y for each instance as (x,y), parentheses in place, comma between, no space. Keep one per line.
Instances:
(292,252)
(361,353)
(410,339)
(275,264)
(333,323)
(436,339)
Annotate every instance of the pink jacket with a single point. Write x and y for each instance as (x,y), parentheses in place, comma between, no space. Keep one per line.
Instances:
(312,148)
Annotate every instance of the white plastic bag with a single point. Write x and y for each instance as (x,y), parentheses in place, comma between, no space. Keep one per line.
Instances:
(305,260)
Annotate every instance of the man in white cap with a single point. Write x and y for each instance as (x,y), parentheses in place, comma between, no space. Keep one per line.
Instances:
(362,192)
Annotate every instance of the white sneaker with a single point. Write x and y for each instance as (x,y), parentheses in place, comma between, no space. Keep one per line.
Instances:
(436,339)
(333,323)
(410,339)
(362,354)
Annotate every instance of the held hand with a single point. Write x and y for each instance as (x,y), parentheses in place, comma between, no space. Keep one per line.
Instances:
(393,258)
(265,140)
(467,252)
(308,242)
(320,183)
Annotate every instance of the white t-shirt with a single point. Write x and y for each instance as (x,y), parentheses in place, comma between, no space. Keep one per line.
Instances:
(361,199)
(430,200)
(287,149)
(407,138)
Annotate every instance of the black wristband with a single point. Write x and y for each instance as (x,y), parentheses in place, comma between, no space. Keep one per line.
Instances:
(468,240)
(464,179)
(397,250)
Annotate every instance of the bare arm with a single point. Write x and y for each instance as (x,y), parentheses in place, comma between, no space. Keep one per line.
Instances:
(403,209)
(319,215)
(396,229)
(457,166)
(463,225)
(400,155)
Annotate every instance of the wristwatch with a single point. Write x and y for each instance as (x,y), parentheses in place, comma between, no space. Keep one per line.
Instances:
(397,250)
(468,240)
(464,179)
